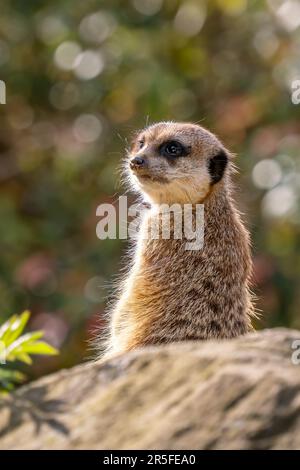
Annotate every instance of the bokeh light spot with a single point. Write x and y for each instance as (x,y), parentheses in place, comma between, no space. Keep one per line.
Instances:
(190,18)
(233,7)
(279,201)
(87,128)
(97,27)
(51,29)
(93,289)
(89,64)
(66,54)
(64,96)
(147,7)
(266,174)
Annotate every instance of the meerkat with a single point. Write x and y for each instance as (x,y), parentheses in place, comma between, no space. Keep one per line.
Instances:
(169,293)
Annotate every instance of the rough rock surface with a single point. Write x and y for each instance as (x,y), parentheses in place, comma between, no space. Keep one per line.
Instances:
(233,394)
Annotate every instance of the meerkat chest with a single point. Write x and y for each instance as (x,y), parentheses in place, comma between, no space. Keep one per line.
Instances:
(168,265)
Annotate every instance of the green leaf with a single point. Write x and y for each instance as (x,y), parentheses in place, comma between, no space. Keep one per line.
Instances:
(19,343)
(11,374)
(23,357)
(7,379)
(19,348)
(4,329)
(16,327)
(40,347)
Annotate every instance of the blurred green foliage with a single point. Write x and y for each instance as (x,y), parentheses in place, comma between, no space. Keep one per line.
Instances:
(80,78)
(15,346)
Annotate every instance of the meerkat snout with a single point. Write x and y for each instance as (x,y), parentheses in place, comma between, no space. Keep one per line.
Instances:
(176,163)
(137,162)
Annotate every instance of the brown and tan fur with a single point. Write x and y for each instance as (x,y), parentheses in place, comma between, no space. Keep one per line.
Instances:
(170,293)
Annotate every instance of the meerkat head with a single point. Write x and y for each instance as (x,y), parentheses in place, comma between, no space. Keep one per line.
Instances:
(176,163)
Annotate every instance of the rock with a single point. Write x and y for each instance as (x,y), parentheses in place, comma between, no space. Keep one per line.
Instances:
(232,394)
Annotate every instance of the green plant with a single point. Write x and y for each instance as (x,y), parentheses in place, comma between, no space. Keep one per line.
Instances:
(17,347)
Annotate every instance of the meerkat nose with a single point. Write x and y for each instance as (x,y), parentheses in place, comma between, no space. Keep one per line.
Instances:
(138,162)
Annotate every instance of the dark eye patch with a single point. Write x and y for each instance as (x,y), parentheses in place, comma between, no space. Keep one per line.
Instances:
(173,149)
(217,165)
(141,143)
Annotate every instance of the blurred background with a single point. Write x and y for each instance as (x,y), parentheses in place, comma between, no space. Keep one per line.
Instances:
(80,78)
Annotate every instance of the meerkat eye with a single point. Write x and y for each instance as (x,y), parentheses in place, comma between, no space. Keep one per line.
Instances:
(141,143)
(172,149)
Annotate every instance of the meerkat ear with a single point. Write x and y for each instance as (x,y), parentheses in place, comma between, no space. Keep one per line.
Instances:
(217,165)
